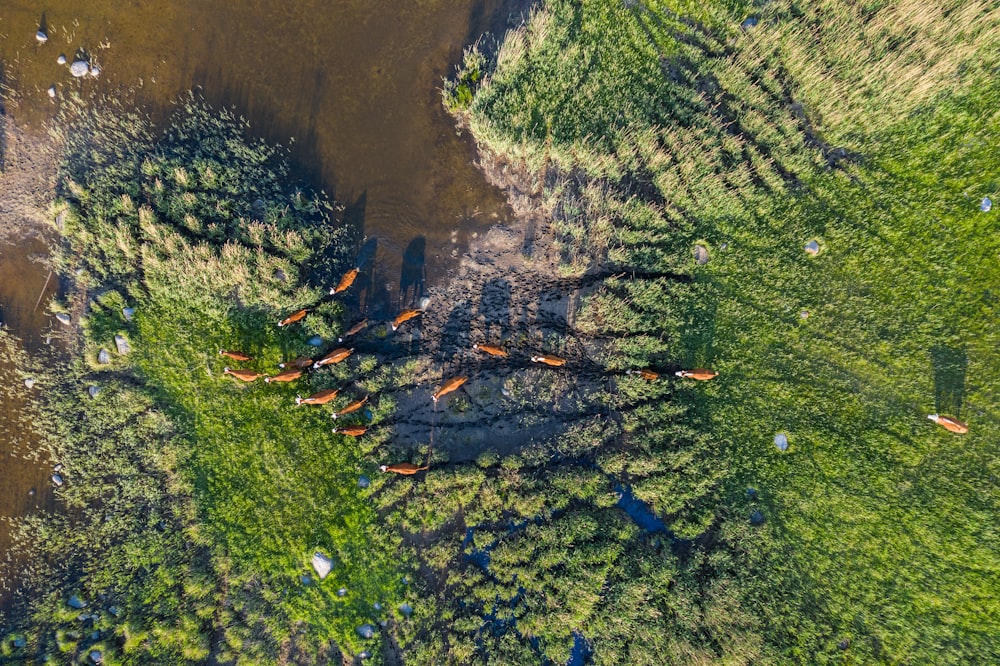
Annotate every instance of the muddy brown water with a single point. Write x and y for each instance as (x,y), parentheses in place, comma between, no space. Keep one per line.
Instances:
(352,87)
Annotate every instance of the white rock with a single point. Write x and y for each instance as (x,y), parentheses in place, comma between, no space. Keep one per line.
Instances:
(79,68)
(93,391)
(104,357)
(986,205)
(700,255)
(29,382)
(781,441)
(812,247)
(41,37)
(63,318)
(95,71)
(51,91)
(322,564)
(122,345)
(57,480)
(61,60)
(128,313)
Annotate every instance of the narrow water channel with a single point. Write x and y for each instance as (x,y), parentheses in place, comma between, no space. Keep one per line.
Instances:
(352,87)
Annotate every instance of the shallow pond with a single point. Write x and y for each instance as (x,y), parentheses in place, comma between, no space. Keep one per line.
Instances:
(352,87)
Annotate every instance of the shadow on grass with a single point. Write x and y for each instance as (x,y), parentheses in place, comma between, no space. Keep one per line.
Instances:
(950,365)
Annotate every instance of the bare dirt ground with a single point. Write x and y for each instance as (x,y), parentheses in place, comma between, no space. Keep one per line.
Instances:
(27,180)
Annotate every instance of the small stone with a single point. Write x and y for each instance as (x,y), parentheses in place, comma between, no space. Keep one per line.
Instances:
(57,480)
(986,205)
(76,602)
(280,276)
(701,255)
(377,606)
(29,382)
(364,481)
(305,580)
(128,313)
(20,642)
(364,654)
(424,302)
(79,68)
(104,357)
(114,610)
(95,71)
(505,391)
(51,91)
(751,493)
(93,390)
(844,644)
(750,23)
(781,441)
(322,564)
(122,345)
(342,592)
(812,247)
(406,609)
(756,518)
(58,468)
(315,341)
(804,314)
(63,318)
(366,630)
(41,37)
(61,60)
(96,657)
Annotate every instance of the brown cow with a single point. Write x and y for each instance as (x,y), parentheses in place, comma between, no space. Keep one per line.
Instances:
(357,328)
(449,386)
(645,373)
(320,398)
(336,356)
(286,376)
(244,375)
(403,468)
(353,407)
(554,361)
(405,315)
(294,317)
(949,423)
(701,374)
(301,363)
(235,355)
(352,431)
(345,282)
(492,350)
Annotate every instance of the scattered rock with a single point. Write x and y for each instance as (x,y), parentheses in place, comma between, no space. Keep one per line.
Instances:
(104,357)
(366,630)
(756,518)
(364,481)
(93,390)
(751,493)
(804,314)
(377,606)
(749,23)
(322,564)
(122,345)
(57,480)
(424,302)
(986,205)
(114,610)
(29,382)
(58,468)
(41,37)
(63,318)
(342,592)
(315,341)
(280,276)
(305,580)
(844,644)
(61,60)
(406,609)
(79,68)
(812,247)
(781,441)
(701,255)
(51,91)
(128,313)
(364,654)
(95,71)
(20,642)
(96,657)
(76,602)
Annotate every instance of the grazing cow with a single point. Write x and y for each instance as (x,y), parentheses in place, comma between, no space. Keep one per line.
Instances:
(298,315)
(645,373)
(235,355)
(244,375)
(345,282)
(701,374)
(353,431)
(449,386)
(554,361)
(949,423)
(336,356)
(492,350)
(301,363)
(286,376)
(320,398)
(405,315)
(403,468)
(354,330)
(353,407)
